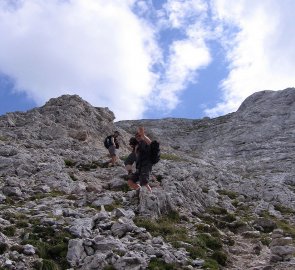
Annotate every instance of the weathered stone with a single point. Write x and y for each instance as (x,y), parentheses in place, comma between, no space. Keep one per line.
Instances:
(284,241)
(76,252)
(29,250)
(282,250)
(82,227)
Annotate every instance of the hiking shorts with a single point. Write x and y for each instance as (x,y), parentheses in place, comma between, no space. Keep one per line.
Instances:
(142,177)
(130,159)
(112,150)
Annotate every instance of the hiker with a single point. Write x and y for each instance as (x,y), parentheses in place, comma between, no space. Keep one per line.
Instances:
(112,144)
(143,163)
(132,156)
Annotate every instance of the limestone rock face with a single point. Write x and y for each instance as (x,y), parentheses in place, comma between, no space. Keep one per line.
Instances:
(223,189)
(256,143)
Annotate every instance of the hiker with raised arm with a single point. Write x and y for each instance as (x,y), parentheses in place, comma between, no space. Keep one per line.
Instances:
(112,144)
(143,162)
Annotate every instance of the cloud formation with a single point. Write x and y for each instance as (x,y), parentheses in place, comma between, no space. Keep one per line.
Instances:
(97,49)
(260,53)
(131,57)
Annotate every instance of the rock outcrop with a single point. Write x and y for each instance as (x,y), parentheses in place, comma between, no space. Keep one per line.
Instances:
(223,192)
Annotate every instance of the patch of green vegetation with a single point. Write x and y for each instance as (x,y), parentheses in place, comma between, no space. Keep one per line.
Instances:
(9,201)
(164,226)
(220,257)
(51,244)
(3,139)
(171,157)
(283,209)
(3,248)
(231,194)
(112,206)
(205,189)
(235,203)
(46,265)
(286,227)
(206,228)
(217,210)
(228,217)
(9,230)
(265,239)
(210,264)
(158,264)
(199,246)
(69,163)
(89,166)
(72,197)
(24,223)
(38,196)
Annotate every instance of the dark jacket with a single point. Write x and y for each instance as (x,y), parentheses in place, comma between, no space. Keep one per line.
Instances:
(143,155)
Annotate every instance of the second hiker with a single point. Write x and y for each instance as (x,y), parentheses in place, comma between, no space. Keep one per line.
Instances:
(112,144)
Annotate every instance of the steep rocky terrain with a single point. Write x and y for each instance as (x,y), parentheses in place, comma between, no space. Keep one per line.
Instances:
(223,193)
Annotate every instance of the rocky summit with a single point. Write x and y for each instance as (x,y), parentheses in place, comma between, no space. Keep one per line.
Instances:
(223,193)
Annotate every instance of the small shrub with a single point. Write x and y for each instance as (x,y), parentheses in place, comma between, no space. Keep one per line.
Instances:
(220,257)
(196,252)
(210,264)
(9,231)
(231,194)
(72,197)
(265,239)
(229,217)
(49,265)
(171,157)
(209,241)
(3,248)
(22,224)
(158,264)
(51,245)
(217,210)
(283,209)
(69,163)
(205,189)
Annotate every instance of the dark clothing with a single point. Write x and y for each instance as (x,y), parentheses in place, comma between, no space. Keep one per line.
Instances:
(130,159)
(142,154)
(141,175)
(108,143)
(143,163)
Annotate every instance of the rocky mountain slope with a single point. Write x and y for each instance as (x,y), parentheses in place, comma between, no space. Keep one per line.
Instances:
(223,193)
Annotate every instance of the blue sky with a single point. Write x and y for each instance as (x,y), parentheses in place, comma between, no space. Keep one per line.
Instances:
(145,59)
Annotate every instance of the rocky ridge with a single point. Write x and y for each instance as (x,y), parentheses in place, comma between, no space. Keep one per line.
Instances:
(223,192)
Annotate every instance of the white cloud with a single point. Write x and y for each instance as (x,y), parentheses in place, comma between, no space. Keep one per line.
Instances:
(97,49)
(261,55)
(187,54)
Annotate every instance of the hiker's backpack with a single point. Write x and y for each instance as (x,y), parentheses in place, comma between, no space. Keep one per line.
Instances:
(155,152)
(107,141)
